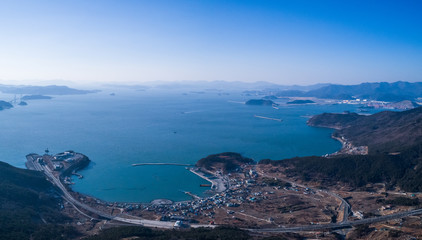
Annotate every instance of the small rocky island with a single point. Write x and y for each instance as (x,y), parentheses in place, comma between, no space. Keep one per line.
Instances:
(5,105)
(261,102)
(299,101)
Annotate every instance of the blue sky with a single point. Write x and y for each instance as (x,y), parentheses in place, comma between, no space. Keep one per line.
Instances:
(286,42)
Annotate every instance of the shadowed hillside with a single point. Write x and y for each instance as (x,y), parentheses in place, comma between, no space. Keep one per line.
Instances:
(29,206)
(395,151)
(382,132)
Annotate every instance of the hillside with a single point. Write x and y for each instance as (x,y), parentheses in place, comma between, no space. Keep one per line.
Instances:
(395,151)
(382,132)
(29,206)
(225,162)
(403,170)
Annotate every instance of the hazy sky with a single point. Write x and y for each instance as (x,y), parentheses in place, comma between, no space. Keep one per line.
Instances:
(286,42)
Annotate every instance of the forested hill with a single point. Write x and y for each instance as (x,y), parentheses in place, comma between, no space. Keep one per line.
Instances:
(29,206)
(382,132)
(225,162)
(395,151)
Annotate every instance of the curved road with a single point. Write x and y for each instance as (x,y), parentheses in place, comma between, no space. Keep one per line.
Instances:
(340,225)
(160,224)
(344,204)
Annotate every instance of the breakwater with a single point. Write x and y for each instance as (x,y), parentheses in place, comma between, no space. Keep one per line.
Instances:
(274,119)
(172,164)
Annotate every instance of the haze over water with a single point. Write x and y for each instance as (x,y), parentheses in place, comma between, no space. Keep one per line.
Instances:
(157,126)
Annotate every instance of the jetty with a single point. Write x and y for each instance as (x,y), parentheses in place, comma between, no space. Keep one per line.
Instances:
(77,174)
(216,184)
(192,195)
(274,119)
(172,164)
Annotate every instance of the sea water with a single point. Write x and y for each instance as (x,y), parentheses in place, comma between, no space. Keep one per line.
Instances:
(157,126)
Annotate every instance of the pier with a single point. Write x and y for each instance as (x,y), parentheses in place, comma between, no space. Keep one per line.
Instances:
(192,195)
(274,119)
(172,164)
(216,184)
(78,175)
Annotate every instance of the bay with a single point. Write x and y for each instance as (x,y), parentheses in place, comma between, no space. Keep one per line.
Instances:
(157,126)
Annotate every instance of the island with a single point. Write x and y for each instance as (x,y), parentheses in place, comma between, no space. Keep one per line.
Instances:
(300,102)
(22,103)
(43,90)
(5,105)
(261,102)
(35,97)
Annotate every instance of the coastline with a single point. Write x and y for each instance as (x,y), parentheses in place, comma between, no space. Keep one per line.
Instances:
(216,185)
(347,147)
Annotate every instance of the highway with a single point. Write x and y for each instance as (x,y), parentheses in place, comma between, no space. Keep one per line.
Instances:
(344,204)
(317,227)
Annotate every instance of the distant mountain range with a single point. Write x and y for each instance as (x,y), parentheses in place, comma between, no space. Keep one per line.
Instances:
(43,90)
(381,91)
(229,85)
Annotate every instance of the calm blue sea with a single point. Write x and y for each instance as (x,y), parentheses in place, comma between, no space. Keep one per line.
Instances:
(157,126)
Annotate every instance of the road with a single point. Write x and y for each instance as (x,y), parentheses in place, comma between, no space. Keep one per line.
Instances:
(68,197)
(169,225)
(344,204)
(347,224)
